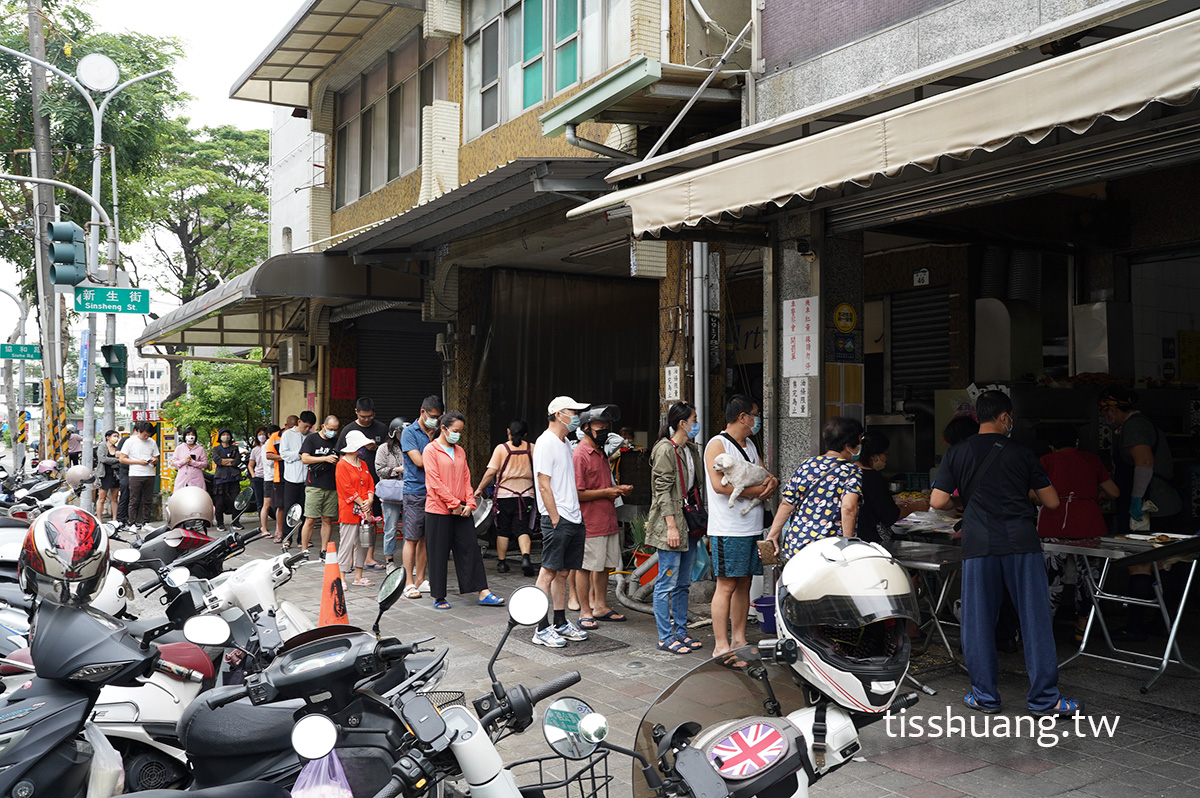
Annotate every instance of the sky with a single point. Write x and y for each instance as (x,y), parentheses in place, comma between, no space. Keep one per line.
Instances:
(221,38)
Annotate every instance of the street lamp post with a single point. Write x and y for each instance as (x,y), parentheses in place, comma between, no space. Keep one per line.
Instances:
(18,447)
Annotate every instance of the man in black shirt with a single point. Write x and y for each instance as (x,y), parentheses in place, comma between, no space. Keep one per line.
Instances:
(320,453)
(376,432)
(995,479)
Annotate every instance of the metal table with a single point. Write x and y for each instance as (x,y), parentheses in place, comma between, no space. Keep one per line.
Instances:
(1125,553)
(922,561)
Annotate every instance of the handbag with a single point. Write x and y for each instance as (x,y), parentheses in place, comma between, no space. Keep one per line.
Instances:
(390,491)
(694,513)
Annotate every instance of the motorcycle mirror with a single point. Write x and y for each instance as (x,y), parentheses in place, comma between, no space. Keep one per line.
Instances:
(178,577)
(314,736)
(127,556)
(527,605)
(561,725)
(593,727)
(389,593)
(243,499)
(207,630)
(295,515)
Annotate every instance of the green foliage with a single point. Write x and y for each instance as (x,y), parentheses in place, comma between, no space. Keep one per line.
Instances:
(233,395)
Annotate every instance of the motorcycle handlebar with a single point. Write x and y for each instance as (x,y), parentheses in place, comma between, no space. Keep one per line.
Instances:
(295,559)
(149,587)
(230,698)
(553,686)
(178,671)
(249,537)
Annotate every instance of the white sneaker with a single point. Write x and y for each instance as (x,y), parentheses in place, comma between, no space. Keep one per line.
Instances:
(424,588)
(569,631)
(549,638)
(391,566)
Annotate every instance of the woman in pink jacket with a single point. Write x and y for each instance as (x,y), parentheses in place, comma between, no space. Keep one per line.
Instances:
(189,462)
(449,527)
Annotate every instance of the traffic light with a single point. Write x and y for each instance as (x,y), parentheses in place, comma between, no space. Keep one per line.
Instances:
(115,370)
(68,253)
(33,393)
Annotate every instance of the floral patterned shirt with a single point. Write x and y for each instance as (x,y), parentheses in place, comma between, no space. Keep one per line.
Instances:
(818,512)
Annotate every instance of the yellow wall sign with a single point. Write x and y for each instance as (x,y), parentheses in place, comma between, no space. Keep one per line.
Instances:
(845,318)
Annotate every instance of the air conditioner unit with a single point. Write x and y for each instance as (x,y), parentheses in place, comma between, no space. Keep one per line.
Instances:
(648,258)
(293,356)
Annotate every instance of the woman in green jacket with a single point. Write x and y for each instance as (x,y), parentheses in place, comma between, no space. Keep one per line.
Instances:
(676,468)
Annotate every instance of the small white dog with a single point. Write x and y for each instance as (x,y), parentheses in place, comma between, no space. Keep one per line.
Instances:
(742,474)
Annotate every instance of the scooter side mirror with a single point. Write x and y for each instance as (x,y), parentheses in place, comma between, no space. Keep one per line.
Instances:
(528,605)
(177,577)
(295,515)
(127,556)
(561,725)
(207,630)
(594,728)
(243,499)
(314,736)
(389,593)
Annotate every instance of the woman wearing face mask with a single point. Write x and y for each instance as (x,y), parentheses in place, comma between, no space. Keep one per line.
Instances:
(449,527)
(821,499)
(257,463)
(189,461)
(226,476)
(106,457)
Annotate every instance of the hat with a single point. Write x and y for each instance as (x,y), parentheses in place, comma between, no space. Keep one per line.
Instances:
(355,440)
(561,403)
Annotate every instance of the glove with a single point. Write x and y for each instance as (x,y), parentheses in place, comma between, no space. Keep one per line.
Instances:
(1135,508)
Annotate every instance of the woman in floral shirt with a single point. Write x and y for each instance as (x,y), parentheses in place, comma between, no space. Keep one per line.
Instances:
(821,499)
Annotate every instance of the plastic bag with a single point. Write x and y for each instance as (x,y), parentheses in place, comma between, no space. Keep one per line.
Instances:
(702,569)
(107,775)
(322,778)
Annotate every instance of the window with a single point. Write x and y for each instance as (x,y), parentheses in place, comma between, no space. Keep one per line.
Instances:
(517,50)
(378,135)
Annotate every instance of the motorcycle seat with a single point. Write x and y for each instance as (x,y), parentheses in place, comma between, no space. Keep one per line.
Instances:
(244,789)
(238,729)
(20,655)
(188,655)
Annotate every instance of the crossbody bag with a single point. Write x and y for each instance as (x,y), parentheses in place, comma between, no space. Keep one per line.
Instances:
(694,514)
(768,515)
(997,447)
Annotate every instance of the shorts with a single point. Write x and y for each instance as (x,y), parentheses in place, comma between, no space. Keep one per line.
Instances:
(320,502)
(602,552)
(735,556)
(414,517)
(562,546)
(515,516)
(109,481)
(277,495)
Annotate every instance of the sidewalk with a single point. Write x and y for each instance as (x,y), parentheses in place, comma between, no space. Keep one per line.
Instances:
(1153,750)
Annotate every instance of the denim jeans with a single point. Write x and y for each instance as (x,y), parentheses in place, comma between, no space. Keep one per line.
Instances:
(391,527)
(671,592)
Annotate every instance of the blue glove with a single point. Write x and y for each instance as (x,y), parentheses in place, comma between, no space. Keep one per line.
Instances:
(1135,508)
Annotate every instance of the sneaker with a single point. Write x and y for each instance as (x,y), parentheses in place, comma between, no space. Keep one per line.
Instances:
(569,631)
(502,567)
(527,566)
(220,530)
(549,638)
(424,588)
(236,527)
(391,566)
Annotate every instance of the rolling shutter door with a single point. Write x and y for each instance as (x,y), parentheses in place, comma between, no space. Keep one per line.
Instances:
(399,367)
(920,342)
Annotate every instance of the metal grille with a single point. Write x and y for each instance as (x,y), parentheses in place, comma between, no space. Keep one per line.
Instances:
(920,342)
(397,363)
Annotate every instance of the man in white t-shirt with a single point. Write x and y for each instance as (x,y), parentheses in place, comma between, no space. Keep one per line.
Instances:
(734,537)
(140,453)
(562,521)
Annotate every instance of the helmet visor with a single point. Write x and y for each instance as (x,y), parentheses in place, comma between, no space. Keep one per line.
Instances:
(850,609)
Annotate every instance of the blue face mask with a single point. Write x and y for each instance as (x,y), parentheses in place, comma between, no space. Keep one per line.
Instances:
(757,428)
(453,437)
(857,454)
(362,452)
(694,431)
(573,424)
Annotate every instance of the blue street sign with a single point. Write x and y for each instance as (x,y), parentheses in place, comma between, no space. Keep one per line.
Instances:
(84,361)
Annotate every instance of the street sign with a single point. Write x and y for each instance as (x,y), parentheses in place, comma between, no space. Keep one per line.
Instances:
(20,352)
(111,300)
(84,364)
(145,415)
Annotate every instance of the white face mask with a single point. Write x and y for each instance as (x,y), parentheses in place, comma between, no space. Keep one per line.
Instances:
(262,438)
(191,439)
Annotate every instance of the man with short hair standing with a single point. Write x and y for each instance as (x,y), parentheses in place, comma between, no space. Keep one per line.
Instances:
(733,536)
(413,440)
(140,452)
(271,449)
(319,453)
(376,433)
(994,477)
(563,533)
(295,472)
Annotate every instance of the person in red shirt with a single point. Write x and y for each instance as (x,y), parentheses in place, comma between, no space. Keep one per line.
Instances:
(356,492)
(449,528)
(1079,477)
(597,503)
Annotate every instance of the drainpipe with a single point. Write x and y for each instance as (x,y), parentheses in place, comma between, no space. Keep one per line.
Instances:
(597,147)
(664,44)
(700,333)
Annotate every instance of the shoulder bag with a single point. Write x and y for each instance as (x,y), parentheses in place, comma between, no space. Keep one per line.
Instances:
(768,514)
(390,490)
(997,447)
(694,513)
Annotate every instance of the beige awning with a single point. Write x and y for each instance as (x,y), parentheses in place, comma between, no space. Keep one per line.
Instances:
(1116,79)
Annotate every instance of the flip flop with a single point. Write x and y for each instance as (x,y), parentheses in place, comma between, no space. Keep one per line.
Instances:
(375,567)
(973,703)
(491,600)
(588,623)
(732,662)
(612,616)
(441,605)
(362,583)
(674,647)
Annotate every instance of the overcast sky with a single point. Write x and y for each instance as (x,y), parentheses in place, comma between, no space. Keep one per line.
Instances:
(221,39)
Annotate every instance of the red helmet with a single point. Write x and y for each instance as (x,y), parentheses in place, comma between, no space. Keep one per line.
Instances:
(65,557)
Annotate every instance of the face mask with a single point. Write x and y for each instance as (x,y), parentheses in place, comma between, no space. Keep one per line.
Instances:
(1008,431)
(191,439)
(262,438)
(573,424)
(362,452)
(857,454)
(431,423)
(694,431)
(330,433)
(225,440)
(757,425)
(598,436)
(879,465)
(453,437)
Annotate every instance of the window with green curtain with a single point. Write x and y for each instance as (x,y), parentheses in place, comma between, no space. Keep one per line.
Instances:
(566,65)
(566,19)
(532,24)
(533,83)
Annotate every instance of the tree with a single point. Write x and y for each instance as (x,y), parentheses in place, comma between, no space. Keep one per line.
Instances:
(208,206)
(221,395)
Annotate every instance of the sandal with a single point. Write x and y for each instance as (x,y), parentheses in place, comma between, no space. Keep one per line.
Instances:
(1062,708)
(588,623)
(731,661)
(411,592)
(691,642)
(364,582)
(491,600)
(374,567)
(441,605)
(973,703)
(675,647)
(612,616)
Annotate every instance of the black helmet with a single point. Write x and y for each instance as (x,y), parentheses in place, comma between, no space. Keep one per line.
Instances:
(397,424)
(609,413)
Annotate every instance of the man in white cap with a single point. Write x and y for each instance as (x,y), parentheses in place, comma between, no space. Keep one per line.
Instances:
(562,521)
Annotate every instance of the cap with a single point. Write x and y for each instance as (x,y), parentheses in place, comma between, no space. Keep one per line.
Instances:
(561,403)
(355,440)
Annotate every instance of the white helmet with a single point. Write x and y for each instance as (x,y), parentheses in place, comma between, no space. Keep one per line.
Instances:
(78,475)
(113,596)
(846,603)
(190,504)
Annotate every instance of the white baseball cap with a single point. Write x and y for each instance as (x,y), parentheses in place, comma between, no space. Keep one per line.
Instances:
(561,403)
(355,440)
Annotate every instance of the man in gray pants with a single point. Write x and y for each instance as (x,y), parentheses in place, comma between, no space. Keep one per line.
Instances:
(413,441)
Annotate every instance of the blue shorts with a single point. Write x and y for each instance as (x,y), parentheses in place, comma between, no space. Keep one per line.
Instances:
(735,556)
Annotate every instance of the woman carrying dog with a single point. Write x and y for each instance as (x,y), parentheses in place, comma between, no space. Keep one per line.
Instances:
(821,499)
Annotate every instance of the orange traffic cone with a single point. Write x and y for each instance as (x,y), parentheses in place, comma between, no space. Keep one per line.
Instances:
(333,597)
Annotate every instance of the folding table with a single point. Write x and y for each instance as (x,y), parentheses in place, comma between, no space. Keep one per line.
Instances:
(922,561)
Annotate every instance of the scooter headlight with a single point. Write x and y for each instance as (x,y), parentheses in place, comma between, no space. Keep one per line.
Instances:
(95,673)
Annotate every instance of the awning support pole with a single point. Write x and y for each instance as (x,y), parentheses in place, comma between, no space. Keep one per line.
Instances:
(712,73)
(700,333)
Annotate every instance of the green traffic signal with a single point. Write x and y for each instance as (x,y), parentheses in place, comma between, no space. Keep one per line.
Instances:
(68,253)
(115,370)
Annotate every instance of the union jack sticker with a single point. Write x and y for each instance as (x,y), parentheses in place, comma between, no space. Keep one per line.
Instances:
(747,751)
